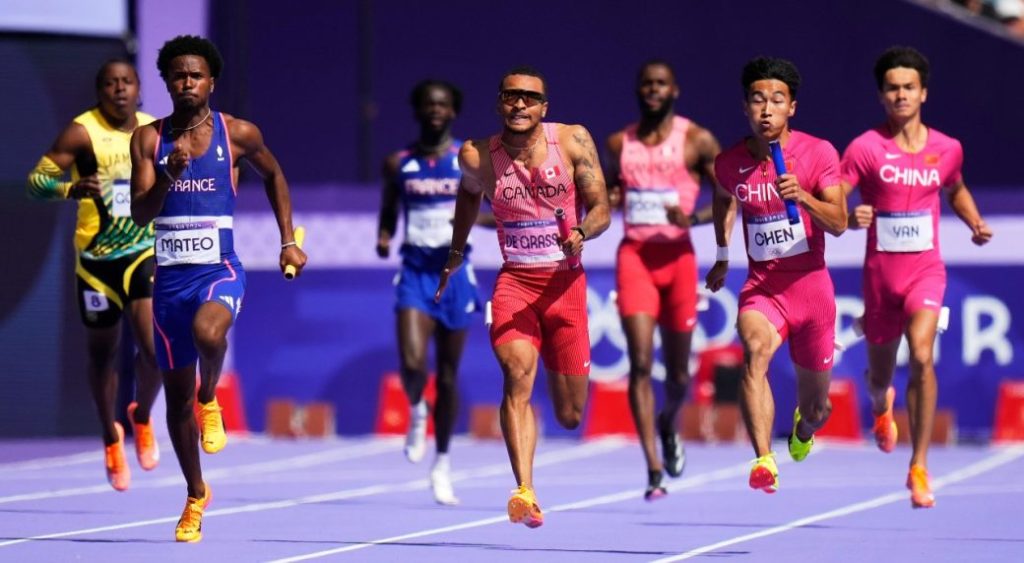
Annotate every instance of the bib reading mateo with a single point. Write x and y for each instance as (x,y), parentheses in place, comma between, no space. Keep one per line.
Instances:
(524,206)
(195,224)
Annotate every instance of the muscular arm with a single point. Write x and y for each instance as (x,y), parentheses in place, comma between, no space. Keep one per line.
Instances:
(148,188)
(471,193)
(589,181)
(861,215)
(45,181)
(388,219)
(249,139)
(707,149)
(828,209)
(723,211)
(962,202)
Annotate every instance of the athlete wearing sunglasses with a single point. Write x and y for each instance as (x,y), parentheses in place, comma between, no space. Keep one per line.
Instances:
(529,170)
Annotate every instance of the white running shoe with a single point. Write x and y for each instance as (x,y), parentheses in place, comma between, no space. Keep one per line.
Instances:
(416,437)
(441,482)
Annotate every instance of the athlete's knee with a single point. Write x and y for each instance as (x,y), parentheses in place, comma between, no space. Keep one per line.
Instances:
(569,416)
(413,361)
(640,365)
(209,339)
(757,349)
(921,357)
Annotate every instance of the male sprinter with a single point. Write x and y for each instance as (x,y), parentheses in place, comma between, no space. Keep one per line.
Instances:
(184,175)
(655,172)
(425,179)
(528,171)
(900,167)
(114,266)
(788,292)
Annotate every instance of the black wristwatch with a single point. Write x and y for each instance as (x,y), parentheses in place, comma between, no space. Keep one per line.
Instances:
(580,230)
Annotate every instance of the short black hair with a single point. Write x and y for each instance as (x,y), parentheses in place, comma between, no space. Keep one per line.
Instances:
(771,68)
(109,63)
(655,62)
(525,70)
(905,57)
(419,92)
(189,45)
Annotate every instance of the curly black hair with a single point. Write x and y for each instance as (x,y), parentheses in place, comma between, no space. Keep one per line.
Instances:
(419,92)
(771,68)
(189,45)
(905,57)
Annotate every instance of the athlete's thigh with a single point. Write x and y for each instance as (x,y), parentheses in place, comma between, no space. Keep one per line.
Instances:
(565,340)
(635,290)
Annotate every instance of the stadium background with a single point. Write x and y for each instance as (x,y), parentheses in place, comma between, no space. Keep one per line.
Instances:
(328,84)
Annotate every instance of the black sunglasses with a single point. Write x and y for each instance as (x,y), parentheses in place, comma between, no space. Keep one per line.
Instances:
(529,97)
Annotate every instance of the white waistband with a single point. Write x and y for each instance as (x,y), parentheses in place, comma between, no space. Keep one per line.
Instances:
(536,259)
(223,221)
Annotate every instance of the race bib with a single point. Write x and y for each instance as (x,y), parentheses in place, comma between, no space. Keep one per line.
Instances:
(532,242)
(95,301)
(122,203)
(904,231)
(429,226)
(647,206)
(772,237)
(187,243)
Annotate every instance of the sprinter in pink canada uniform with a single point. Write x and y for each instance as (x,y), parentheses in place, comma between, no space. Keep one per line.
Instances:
(900,168)
(788,292)
(528,171)
(655,168)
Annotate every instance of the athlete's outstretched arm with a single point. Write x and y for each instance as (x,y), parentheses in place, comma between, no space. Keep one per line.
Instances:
(387,221)
(723,212)
(962,202)
(590,184)
(148,188)
(467,206)
(45,181)
(249,139)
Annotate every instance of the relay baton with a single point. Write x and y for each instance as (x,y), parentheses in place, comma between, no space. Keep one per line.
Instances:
(300,235)
(780,168)
(563,231)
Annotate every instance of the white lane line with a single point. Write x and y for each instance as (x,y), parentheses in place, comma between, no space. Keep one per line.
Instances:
(630,494)
(575,452)
(1001,458)
(51,462)
(262,467)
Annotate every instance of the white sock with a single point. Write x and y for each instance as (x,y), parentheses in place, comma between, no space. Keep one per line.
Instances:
(419,410)
(442,463)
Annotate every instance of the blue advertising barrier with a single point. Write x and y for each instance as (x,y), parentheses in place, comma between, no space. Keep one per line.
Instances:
(330,336)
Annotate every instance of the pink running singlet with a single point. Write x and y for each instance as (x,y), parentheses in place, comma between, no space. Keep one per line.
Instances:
(903,268)
(537,297)
(656,271)
(787,280)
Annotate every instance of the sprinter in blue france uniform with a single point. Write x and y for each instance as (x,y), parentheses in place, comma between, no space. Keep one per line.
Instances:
(184,179)
(424,179)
